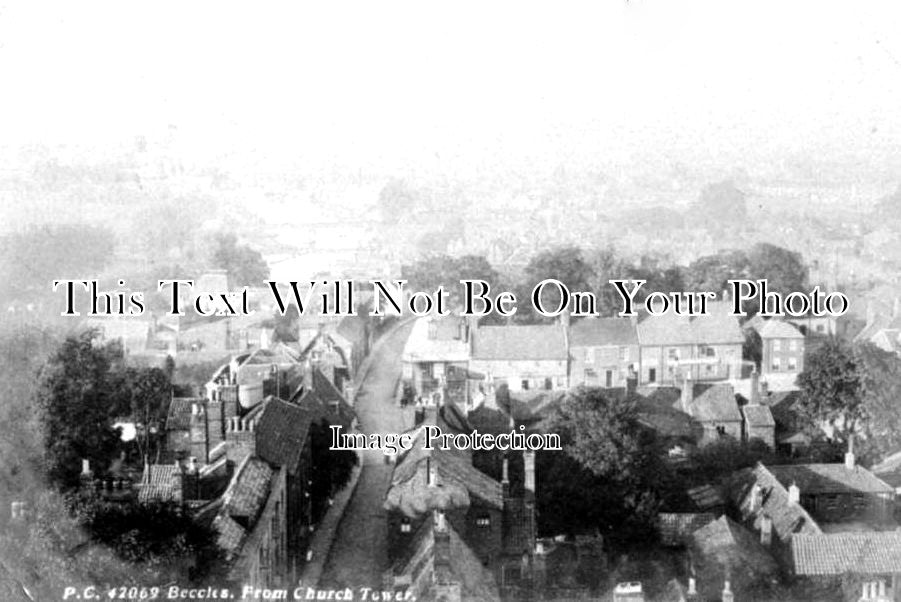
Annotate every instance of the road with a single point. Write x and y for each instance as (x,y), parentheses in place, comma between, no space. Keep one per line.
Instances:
(359,553)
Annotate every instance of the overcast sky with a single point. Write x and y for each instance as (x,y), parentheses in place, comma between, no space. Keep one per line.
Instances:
(386,85)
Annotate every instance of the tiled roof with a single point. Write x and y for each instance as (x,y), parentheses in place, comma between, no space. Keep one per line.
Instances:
(520,342)
(758,415)
(248,489)
(788,518)
(328,393)
(161,482)
(599,332)
(715,403)
(231,534)
(676,527)
(280,433)
(777,329)
(278,354)
(830,478)
(867,553)
(179,416)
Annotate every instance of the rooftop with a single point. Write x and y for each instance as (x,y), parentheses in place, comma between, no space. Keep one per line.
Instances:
(873,552)
(601,332)
(758,415)
(520,342)
(715,403)
(772,501)
(777,329)
(830,478)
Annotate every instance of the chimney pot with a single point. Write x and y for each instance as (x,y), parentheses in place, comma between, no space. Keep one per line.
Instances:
(85,466)
(528,457)
(849,457)
(794,493)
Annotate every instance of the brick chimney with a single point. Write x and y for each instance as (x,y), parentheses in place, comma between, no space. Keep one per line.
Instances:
(766,530)
(727,595)
(199,433)
(794,494)
(849,456)
(528,458)
(241,440)
(505,477)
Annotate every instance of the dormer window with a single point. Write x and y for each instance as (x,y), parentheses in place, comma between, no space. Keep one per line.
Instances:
(405,526)
(483,520)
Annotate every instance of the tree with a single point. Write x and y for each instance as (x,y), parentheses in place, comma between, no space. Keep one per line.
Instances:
(565,264)
(77,408)
(609,476)
(712,272)
(752,348)
(783,270)
(831,388)
(245,265)
(142,394)
(880,374)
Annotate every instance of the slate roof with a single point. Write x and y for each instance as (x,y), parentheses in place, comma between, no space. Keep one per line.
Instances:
(725,546)
(179,415)
(867,553)
(248,489)
(519,342)
(788,518)
(758,415)
(676,527)
(160,482)
(600,332)
(280,433)
(329,394)
(830,478)
(715,403)
(777,329)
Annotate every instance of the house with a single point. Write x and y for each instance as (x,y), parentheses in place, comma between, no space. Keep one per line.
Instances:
(867,563)
(435,344)
(722,551)
(496,525)
(706,348)
(525,358)
(604,352)
(782,353)
(757,419)
(883,328)
(714,407)
(437,564)
(249,377)
(839,493)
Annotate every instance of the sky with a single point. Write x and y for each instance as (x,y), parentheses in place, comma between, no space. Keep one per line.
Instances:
(462,85)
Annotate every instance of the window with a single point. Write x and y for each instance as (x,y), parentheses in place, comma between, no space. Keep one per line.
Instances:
(524,384)
(706,351)
(483,520)
(777,345)
(608,378)
(548,384)
(792,363)
(673,354)
(652,375)
(624,354)
(793,345)
(777,364)
(405,526)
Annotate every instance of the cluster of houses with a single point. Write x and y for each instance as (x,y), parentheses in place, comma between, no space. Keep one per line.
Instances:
(246,454)
(770,530)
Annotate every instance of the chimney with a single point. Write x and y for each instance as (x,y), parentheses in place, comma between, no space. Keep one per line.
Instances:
(794,494)
(431,473)
(766,530)
(528,458)
(849,456)
(505,476)
(440,521)
(754,397)
(692,587)
(86,468)
(756,498)
(764,391)
(687,393)
(727,595)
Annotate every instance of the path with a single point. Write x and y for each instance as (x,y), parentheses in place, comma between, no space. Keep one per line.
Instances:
(359,553)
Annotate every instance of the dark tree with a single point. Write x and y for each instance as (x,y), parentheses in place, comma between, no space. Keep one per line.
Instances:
(565,264)
(832,388)
(609,476)
(245,265)
(752,349)
(784,270)
(722,202)
(142,394)
(77,408)
(712,272)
